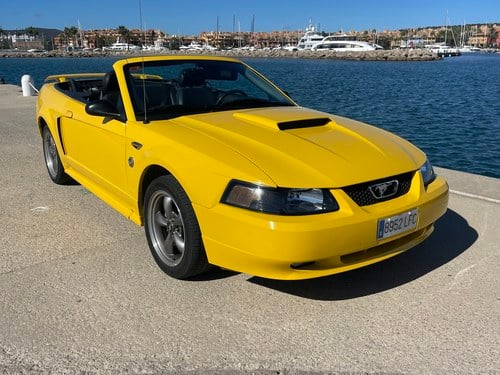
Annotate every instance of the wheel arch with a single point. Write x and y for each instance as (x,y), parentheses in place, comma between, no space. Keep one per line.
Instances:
(41,123)
(149,174)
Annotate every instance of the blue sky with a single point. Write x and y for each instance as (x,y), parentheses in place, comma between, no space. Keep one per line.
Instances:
(191,17)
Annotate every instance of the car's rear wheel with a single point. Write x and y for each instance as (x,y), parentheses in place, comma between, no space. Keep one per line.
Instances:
(172,229)
(52,160)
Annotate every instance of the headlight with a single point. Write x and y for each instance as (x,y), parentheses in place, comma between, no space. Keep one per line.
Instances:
(427,173)
(279,201)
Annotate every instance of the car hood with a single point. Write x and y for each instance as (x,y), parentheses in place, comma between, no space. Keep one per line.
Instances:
(299,147)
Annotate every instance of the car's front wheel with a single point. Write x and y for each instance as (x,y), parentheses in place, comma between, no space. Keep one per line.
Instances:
(52,160)
(172,229)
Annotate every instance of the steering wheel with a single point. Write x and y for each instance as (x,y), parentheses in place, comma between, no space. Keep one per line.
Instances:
(222,98)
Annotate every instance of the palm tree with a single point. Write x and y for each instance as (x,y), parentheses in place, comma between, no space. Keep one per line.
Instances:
(491,37)
(124,33)
(70,33)
(3,43)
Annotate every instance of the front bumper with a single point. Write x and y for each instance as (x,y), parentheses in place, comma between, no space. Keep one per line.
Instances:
(301,247)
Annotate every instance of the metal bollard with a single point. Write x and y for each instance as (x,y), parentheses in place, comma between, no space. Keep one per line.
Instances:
(27,85)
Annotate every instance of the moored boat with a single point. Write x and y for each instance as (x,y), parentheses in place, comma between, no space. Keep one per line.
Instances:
(443,50)
(314,41)
(122,46)
(344,43)
(310,38)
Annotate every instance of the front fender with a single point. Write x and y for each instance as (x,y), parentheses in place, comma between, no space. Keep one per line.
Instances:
(192,163)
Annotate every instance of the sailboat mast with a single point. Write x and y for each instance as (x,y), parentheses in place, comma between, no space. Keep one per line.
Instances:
(446,29)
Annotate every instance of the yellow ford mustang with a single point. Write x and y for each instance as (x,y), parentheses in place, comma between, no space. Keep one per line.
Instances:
(223,168)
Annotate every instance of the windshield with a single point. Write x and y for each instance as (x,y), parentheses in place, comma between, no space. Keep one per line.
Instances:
(171,88)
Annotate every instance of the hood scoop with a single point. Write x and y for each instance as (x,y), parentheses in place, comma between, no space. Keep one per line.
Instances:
(284,118)
(301,124)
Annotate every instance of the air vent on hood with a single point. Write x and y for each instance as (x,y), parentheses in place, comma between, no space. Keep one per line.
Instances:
(299,124)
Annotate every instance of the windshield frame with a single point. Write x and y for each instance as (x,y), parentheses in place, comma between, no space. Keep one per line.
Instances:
(221,79)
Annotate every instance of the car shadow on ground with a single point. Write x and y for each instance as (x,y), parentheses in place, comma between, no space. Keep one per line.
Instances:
(214,273)
(452,236)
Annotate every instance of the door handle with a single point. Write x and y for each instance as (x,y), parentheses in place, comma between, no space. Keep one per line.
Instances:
(137,145)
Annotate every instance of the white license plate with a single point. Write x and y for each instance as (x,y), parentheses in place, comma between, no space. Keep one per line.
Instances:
(391,226)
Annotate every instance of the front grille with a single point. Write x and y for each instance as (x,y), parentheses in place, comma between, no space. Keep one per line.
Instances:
(361,194)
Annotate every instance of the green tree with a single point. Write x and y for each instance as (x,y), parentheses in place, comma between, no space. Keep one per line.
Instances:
(48,44)
(135,40)
(174,44)
(440,36)
(31,31)
(100,42)
(4,42)
(124,33)
(70,33)
(491,37)
(384,41)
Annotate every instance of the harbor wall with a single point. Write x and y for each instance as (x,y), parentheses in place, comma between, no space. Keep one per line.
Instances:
(378,55)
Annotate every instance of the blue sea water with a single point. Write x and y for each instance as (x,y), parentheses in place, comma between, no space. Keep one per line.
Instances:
(449,108)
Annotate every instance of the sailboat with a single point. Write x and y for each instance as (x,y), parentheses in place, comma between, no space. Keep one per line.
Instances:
(442,49)
(464,48)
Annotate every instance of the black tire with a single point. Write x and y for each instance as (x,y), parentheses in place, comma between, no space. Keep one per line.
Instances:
(52,160)
(172,229)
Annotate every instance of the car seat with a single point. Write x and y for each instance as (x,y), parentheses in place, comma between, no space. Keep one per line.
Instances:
(192,90)
(111,90)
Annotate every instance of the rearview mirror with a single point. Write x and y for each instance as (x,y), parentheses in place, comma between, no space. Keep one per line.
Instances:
(101,108)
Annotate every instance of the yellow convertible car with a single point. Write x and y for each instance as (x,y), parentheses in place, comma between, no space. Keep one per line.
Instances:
(223,168)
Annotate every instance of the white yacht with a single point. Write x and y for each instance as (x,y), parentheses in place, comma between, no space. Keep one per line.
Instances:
(196,46)
(468,49)
(193,46)
(344,43)
(443,50)
(314,41)
(122,46)
(310,38)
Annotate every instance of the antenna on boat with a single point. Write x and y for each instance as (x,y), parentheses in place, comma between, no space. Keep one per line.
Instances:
(145,121)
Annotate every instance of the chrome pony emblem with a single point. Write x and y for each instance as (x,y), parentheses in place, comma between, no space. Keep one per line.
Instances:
(384,189)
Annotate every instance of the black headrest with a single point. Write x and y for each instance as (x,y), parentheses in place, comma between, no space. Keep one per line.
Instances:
(110,82)
(192,77)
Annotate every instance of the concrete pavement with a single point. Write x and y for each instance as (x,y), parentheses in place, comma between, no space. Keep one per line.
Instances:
(80,292)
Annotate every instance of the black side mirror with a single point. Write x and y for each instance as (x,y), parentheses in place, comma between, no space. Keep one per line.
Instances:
(102,108)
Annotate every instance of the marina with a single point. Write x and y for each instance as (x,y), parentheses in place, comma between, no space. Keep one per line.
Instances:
(424,43)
